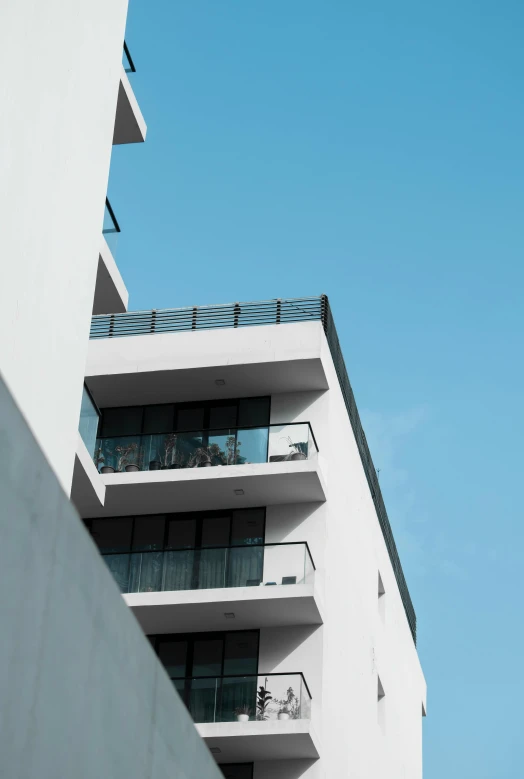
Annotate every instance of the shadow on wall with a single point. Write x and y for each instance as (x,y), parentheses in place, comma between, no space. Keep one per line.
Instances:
(283,769)
(279,644)
(284,520)
(287,407)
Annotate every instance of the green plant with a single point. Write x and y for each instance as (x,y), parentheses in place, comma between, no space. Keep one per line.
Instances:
(207,454)
(243,709)
(167,451)
(128,454)
(99,456)
(263,700)
(291,704)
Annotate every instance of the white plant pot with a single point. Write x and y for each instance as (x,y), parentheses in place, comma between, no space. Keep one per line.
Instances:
(283,716)
(242,717)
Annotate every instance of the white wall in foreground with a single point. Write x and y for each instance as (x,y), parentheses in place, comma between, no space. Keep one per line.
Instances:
(60,62)
(83,695)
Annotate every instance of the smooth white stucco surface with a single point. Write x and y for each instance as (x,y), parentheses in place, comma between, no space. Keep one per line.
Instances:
(60,62)
(362,637)
(83,695)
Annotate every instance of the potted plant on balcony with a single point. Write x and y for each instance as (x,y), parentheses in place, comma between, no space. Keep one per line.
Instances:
(264,698)
(166,454)
(299,449)
(206,456)
(289,705)
(129,457)
(242,713)
(100,458)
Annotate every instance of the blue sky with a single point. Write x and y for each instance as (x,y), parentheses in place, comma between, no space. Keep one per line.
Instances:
(371,151)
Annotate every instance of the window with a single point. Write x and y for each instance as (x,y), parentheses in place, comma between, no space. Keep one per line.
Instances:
(185,417)
(237,770)
(213,672)
(190,551)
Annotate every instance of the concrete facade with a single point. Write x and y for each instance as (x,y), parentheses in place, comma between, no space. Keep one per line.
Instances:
(61,64)
(82,693)
(357,652)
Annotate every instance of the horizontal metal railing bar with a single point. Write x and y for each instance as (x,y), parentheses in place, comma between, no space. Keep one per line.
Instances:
(125,320)
(221,430)
(114,220)
(245,676)
(129,58)
(218,546)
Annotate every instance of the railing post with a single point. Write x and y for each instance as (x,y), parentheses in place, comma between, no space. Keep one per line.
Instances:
(153,321)
(279,309)
(324,308)
(111,325)
(194,318)
(236,314)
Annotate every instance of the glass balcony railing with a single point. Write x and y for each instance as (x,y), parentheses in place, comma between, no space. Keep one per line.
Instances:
(205,448)
(251,565)
(244,698)
(111,228)
(127,61)
(89,419)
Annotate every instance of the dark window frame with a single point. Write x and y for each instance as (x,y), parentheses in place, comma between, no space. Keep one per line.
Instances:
(199,516)
(225,766)
(186,405)
(157,638)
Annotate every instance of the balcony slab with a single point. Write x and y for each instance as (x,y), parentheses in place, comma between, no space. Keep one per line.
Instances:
(87,487)
(130,126)
(111,295)
(181,366)
(254,607)
(253,741)
(201,489)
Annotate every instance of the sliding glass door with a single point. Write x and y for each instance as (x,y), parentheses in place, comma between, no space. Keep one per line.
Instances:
(214,672)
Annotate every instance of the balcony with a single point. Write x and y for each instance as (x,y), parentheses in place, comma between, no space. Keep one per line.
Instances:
(253,717)
(154,473)
(262,585)
(130,126)
(111,294)
(206,448)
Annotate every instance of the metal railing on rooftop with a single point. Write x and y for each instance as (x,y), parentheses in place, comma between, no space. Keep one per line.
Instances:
(172,320)
(269,312)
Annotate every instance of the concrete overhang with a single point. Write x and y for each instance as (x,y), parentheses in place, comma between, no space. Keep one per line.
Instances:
(130,126)
(202,489)
(111,295)
(180,366)
(253,607)
(87,488)
(254,741)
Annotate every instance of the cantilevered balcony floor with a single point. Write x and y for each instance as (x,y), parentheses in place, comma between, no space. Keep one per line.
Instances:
(254,607)
(254,741)
(202,489)
(130,126)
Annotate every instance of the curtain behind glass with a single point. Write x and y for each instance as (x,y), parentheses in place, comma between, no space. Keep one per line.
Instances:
(178,569)
(118,564)
(246,565)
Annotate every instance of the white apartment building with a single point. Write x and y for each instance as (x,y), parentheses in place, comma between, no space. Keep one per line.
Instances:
(81,692)
(216,457)
(229,487)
